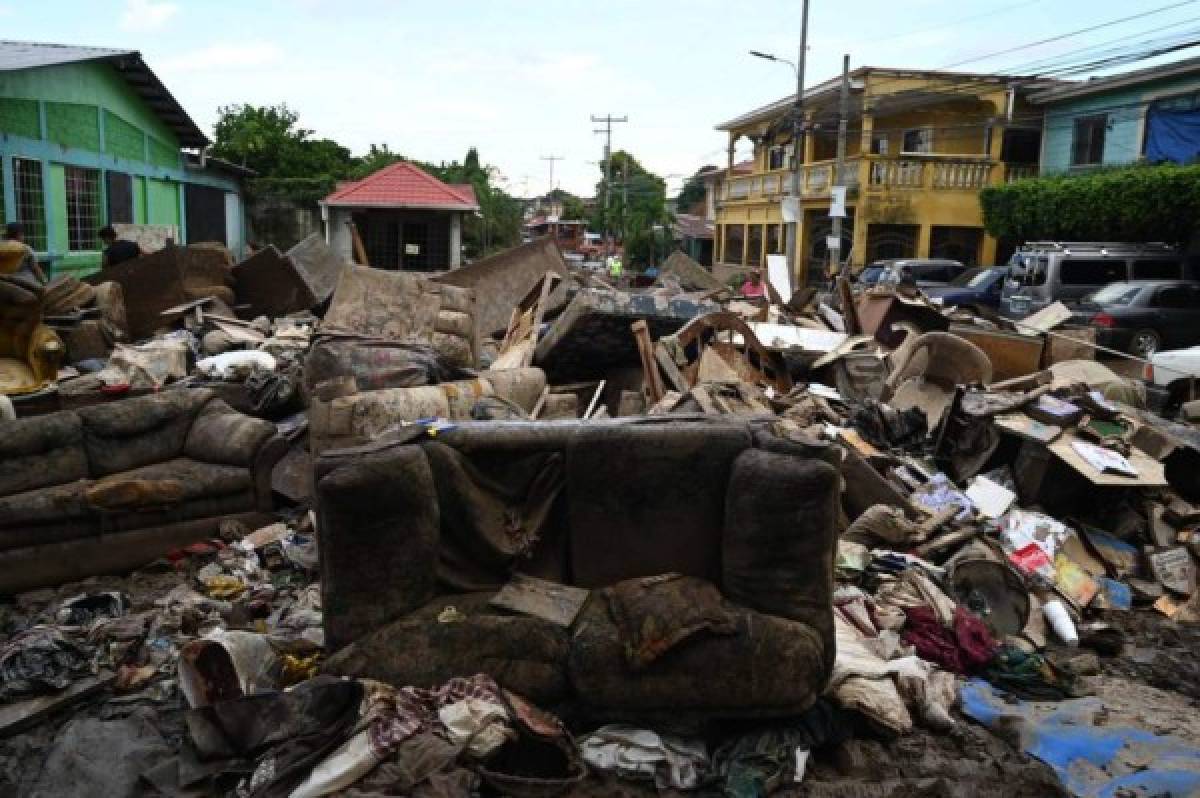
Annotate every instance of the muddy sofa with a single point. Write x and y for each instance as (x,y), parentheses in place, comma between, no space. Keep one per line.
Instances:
(416,536)
(106,488)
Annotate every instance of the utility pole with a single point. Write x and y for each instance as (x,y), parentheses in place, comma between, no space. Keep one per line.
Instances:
(551,159)
(839,179)
(608,120)
(798,148)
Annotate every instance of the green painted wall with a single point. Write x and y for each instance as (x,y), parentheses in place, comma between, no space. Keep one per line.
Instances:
(20,117)
(163,198)
(89,83)
(56,206)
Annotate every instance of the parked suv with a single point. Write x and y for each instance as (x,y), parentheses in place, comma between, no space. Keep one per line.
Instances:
(1044,272)
(929,272)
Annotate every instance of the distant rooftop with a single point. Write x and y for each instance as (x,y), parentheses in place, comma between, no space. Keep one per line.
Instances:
(403,185)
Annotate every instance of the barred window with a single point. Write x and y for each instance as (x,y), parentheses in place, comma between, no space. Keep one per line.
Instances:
(31,201)
(83,208)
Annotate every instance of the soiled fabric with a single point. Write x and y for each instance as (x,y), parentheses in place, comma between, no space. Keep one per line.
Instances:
(914,589)
(420,766)
(964,648)
(763,761)
(1030,676)
(885,427)
(39,660)
(287,733)
(492,512)
(641,754)
(393,715)
(657,613)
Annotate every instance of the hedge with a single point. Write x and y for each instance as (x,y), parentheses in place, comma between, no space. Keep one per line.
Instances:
(1137,203)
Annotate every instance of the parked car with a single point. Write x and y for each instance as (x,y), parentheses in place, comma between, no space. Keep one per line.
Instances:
(1143,316)
(929,272)
(1044,272)
(974,288)
(1175,373)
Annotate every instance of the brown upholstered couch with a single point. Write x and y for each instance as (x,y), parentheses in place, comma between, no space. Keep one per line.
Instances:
(410,529)
(109,487)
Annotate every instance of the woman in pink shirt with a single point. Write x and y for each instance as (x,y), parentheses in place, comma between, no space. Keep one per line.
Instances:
(754,287)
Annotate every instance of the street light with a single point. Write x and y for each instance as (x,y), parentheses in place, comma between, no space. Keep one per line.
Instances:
(769,57)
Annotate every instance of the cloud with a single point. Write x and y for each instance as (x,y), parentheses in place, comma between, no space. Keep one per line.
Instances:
(143,16)
(239,55)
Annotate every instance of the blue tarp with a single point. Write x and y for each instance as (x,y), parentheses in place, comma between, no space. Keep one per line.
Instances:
(1092,761)
(1172,136)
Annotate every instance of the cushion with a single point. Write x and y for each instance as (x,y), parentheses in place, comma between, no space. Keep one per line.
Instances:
(780,541)
(523,654)
(198,480)
(43,505)
(646,499)
(41,451)
(137,432)
(222,435)
(769,665)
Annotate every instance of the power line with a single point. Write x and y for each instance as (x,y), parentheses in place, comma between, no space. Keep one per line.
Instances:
(551,159)
(608,120)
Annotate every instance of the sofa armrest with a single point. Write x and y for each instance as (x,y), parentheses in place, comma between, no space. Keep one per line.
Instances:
(377,530)
(220,434)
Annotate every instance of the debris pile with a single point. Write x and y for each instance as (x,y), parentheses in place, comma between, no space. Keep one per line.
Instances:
(519,530)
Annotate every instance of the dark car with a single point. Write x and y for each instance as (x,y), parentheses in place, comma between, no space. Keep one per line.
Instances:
(1144,316)
(975,288)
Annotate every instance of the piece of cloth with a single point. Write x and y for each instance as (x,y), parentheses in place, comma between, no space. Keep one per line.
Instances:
(753,289)
(885,427)
(481,726)
(393,715)
(914,589)
(764,760)
(39,660)
(641,754)
(965,648)
(414,768)
(1172,135)
(1030,676)
(92,757)
(120,251)
(654,614)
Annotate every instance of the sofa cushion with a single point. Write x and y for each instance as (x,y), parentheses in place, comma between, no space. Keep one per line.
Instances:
(41,451)
(198,480)
(780,542)
(137,432)
(220,434)
(523,654)
(769,666)
(42,505)
(646,499)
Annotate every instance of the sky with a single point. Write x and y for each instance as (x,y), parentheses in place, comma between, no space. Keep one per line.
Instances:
(520,81)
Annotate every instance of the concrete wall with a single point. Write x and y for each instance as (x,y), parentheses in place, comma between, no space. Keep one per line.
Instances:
(1126,111)
(280,221)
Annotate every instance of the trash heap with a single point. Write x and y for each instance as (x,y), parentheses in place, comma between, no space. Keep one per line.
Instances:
(1012,586)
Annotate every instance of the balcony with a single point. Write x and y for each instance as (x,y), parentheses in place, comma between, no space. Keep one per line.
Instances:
(909,172)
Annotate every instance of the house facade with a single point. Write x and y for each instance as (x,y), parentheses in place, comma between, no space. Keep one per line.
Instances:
(920,147)
(407,218)
(1150,115)
(89,137)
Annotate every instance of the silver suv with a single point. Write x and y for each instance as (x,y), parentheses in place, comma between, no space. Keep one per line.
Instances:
(1041,273)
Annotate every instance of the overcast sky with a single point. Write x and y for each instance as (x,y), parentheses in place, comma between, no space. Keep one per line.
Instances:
(519,80)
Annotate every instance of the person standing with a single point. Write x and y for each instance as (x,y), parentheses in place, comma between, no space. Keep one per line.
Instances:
(116,250)
(754,287)
(14,239)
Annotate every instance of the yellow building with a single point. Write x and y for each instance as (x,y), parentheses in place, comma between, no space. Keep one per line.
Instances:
(920,146)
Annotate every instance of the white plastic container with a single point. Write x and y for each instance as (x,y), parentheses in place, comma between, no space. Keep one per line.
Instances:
(1060,620)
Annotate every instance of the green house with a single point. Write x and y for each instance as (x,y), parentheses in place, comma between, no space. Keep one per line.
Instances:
(90,136)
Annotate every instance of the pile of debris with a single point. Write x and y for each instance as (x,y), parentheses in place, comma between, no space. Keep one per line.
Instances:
(516,529)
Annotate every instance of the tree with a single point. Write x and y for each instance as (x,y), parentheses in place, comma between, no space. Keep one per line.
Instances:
(573,208)
(269,141)
(693,190)
(637,208)
(378,156)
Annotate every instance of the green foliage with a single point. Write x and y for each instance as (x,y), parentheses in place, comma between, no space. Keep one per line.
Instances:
(573,208)
(692,192)
(637,204)
(300,190)
(1139,203)
(269,141)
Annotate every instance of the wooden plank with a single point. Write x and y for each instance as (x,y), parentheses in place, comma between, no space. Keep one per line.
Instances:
(1150,472)
(849,309)
(595,399)
(360,252)
(23,714)
(541,403)
(653,388)
(670,368)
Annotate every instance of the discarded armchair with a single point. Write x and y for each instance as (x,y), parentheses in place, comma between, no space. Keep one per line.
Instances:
(417,536)
(109,487)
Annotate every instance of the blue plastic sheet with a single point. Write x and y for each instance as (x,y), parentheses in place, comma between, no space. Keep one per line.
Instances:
(1172,136)
(1092,761)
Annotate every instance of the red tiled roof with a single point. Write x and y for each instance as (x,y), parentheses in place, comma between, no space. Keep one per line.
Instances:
(403,185)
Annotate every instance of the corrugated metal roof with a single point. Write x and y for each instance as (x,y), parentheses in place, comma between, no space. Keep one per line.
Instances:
(404,185)
(16,55)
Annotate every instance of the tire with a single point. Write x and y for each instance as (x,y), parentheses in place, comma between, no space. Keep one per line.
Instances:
(1145,343)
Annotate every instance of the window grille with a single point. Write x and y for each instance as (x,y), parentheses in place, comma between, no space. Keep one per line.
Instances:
(31,201)
(83,208)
